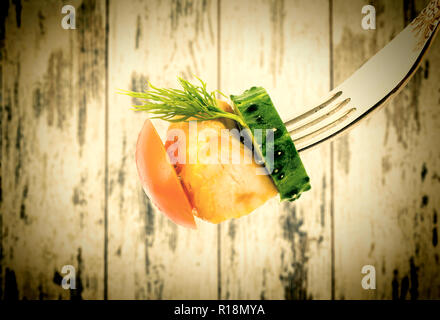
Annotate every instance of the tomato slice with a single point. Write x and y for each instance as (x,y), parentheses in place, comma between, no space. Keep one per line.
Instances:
(159,179)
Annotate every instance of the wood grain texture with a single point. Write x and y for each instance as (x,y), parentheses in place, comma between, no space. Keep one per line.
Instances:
(386,193)
(52,151)
(281,251)
(149,256)
(63,127)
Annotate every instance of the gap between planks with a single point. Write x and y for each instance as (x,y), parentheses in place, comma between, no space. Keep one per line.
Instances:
(106,190)
(332,167)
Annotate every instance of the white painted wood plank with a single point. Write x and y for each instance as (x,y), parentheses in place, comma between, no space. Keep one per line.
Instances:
(52,204)
(386,193)
(281,250)
(149,256)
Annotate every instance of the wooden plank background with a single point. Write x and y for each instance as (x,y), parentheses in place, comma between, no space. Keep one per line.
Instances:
(69,188)
(385,186)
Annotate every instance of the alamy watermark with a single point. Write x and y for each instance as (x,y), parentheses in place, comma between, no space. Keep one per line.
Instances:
(369,280)
(369,20)
(68,21)
(69,280)
(221,146)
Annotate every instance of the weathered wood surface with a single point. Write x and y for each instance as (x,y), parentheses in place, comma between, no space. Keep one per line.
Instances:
(149,256)
(281,251)
(69,188)
(53,117)
(386,191)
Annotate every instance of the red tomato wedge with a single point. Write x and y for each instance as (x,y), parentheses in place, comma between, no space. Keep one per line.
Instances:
(159,179)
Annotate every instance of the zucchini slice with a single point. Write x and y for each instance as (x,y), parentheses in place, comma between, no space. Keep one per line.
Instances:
(285,167)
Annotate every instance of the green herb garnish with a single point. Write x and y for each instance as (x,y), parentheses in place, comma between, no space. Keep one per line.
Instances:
(174,105)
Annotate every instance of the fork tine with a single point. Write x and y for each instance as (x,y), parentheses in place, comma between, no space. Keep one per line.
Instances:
(314,110)
(400,59)
(313,134)
(337,108)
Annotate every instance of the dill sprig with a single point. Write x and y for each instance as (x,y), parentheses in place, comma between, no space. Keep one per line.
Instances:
(194,102)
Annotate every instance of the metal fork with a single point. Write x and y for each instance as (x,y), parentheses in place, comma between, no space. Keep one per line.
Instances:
(371,86)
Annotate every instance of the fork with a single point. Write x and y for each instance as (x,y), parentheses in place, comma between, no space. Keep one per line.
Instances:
(386,73)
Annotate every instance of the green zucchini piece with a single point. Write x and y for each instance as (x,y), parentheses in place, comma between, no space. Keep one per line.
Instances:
(286,169)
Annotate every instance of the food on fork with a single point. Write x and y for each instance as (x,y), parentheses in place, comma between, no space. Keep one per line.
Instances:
(219,190)
(218,162)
